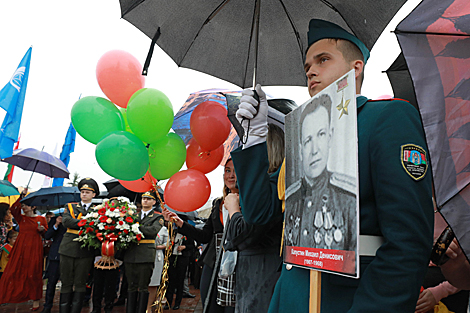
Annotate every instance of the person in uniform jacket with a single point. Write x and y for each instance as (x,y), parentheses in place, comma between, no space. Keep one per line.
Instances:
(322,204)
(139,259)
(75,261)
(396,211)
(55,232)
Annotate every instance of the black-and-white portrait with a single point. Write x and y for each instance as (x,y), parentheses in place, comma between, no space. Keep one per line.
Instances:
(322,171)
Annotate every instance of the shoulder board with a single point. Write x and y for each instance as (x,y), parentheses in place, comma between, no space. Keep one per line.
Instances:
(293,188)
(344,182)
(390,99)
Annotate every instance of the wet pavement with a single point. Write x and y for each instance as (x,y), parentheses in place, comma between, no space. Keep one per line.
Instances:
(188,305)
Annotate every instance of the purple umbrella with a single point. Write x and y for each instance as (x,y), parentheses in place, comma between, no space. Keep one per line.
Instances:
(37,161)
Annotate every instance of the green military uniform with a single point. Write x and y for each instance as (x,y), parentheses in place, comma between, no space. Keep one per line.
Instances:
(323,215)
(139,259)
(75,261)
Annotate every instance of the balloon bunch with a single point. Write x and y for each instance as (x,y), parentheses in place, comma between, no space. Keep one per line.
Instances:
(133,143)
(189,190)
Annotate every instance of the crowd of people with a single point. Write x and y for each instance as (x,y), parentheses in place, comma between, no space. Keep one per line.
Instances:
(396,209)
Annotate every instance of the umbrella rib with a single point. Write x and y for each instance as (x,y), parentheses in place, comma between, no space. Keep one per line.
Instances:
(445,202)
(396,31)
(209,18)
(299,42)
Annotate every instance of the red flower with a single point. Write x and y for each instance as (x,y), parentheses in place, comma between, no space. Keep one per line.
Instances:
(97,230)
(129,219)
(89,229)
(113,222)
(103,219)
(112,209)
(111,227)
(92,223)
(126,231)
(119,233)
(138,236)
(80,232)
(121,222)
(82,223)
(106,205)
(106,227)
(102,211)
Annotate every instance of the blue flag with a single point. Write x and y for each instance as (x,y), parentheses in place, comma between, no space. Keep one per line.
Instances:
(12,100)
(67,148)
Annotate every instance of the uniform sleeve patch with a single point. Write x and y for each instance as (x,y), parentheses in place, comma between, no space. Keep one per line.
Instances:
(414,161)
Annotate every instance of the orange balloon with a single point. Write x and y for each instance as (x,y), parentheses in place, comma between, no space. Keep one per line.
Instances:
(119,76)
(209,125)
(200,160)
(144,184)
(187,191)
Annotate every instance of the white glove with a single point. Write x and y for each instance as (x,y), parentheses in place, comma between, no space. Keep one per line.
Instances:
(256,128)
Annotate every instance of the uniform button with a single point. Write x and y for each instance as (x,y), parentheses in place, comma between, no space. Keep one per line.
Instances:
(288,267)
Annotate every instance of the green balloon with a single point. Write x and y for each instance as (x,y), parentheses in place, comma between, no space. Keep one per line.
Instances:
(95,117)
(150,114)
(124,117)
(122,155)
(167,156)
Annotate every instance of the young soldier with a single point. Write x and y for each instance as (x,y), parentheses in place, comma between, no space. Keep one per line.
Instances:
(394,193)
(139,259)
(75,262)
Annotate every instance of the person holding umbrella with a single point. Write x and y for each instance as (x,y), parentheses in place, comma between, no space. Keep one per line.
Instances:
(395,200)
(75,261)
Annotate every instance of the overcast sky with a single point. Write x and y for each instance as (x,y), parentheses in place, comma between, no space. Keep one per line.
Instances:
(69,37)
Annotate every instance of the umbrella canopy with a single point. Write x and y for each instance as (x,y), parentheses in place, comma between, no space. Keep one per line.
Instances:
(277,110)
(110,184)
(52,196)
(434,39)
(400,79)
(219,37)
(37,161)
(7,189)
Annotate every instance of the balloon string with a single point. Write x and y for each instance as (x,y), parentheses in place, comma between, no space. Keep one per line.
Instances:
(166,264)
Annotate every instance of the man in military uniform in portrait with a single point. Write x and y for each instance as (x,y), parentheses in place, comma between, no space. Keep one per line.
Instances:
(75,261)
(322,205)
(139,259)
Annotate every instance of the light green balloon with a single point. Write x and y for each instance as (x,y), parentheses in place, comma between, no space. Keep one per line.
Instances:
(150,114)
(95,117)
(122,155)
(167,156)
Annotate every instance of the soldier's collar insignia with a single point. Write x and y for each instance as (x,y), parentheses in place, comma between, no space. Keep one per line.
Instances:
(414,161)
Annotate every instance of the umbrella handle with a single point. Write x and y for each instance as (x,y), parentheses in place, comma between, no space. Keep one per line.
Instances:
(438,254)
(245,135)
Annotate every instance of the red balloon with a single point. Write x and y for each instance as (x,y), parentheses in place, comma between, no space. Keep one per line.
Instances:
(144,184)
(187,191)
(210,125)
(119,76)
(200,160)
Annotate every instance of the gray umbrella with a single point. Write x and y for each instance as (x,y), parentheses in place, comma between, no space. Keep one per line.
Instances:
(37,161)
(220,37)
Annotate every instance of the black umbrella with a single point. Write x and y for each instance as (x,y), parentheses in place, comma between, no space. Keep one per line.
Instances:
(435,40)
(220,37)
(400,79)
(37,161)
(52,196)
(110,184)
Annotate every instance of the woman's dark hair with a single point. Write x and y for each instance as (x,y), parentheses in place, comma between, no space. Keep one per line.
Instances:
(226,190)
(3,210)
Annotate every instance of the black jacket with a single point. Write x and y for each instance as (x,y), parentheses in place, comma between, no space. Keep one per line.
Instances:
(206,234)
(56,237)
